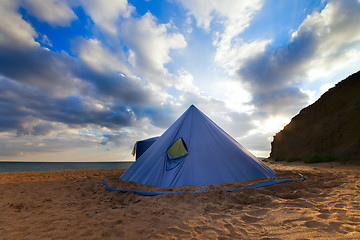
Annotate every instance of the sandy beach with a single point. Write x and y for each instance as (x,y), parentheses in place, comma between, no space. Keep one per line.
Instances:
(76,205)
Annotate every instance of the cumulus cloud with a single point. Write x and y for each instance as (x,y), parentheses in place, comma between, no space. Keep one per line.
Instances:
(235,17)
(22,59)
(62,75)
(38,67)
(108,85)
(100,58)
(106,14)
(117,86)
(161,116)
(337,38)
(97,88)
(234,94)
(28,105)
(184,82)
(278,68)
(233,57)
(139,71)
(322,41)
(150,44)
(14,31)
(54,12)
(286,101)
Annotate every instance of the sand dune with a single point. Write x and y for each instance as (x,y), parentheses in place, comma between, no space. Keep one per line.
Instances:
(76,205)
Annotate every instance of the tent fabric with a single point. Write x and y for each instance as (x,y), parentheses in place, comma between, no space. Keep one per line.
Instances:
(214,157)
(155,193)
(141,146)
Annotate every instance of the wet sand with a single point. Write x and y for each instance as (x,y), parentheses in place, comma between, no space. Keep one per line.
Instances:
(76,205)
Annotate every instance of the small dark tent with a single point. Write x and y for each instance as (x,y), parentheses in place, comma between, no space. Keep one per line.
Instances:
(141,146)
(195,151)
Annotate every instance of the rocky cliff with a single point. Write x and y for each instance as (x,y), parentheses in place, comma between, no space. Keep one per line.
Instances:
(328,127)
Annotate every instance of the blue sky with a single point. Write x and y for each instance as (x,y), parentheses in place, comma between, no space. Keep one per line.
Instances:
(83,80)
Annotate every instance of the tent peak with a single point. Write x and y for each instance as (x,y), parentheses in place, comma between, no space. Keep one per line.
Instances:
(193,106)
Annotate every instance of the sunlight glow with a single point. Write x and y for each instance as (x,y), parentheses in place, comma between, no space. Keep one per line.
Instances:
(273,124)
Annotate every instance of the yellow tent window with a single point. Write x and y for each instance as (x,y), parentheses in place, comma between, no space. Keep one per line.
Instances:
(178,149)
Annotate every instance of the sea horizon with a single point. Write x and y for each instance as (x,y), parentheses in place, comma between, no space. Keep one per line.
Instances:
(38,166)
(20,166)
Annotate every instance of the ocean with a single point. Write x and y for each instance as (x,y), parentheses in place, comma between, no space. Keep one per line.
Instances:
(59,166)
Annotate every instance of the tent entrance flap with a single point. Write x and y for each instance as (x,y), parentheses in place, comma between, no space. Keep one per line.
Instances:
(178,149)
(175,154)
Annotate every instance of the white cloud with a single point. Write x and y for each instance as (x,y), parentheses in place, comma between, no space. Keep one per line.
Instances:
(311,95)
(233,57)
(185,83)
(233,93)
(235,16)
(337,34)
(107,13)
(54,12)
(258,143)
(271,125)
(14,31)
(65,144)
(327,86)
(101,59)
(202,12)
(325,44)
(45,40)
(150,44)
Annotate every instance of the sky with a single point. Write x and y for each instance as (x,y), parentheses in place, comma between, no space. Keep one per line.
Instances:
(82,80)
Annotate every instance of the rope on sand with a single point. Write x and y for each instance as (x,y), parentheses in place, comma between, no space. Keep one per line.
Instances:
(155,193)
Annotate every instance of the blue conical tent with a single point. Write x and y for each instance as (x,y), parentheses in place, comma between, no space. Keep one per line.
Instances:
(195,151)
